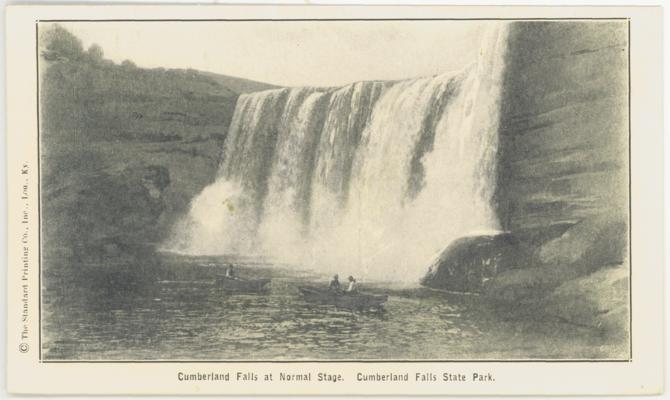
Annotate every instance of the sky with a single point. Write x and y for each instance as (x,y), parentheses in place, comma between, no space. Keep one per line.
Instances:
(292,53)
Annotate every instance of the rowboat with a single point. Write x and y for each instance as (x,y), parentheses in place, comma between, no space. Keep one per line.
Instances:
(241,285)
(351,301)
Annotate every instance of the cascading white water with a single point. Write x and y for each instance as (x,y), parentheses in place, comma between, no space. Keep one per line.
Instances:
(372,179)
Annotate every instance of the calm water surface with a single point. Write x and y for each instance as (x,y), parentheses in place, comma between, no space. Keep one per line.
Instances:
(190,318)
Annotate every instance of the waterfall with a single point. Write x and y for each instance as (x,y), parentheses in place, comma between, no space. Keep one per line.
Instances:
(371,179)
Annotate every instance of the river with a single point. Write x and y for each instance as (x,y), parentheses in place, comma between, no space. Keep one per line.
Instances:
(189,317)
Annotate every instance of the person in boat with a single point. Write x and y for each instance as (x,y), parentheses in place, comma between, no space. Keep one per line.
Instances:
(230,273)
(335,284)
(353,286)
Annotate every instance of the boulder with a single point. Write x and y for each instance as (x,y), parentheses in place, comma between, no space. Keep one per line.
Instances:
(527,286)
(581,249)
(599,300)
(589,244)
(468,262)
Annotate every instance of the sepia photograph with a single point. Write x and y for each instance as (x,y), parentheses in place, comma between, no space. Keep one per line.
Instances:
(325,190)
(374,200)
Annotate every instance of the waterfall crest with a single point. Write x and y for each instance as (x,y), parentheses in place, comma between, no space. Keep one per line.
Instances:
(371,179)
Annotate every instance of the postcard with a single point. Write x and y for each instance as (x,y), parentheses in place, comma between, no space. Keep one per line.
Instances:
(421,200)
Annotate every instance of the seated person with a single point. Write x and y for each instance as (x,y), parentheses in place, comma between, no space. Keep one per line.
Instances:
(335,284)
(230,273)
(353,287)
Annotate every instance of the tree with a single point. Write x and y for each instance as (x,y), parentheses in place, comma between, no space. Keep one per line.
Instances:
(95,53)
(59,44)
(128,64)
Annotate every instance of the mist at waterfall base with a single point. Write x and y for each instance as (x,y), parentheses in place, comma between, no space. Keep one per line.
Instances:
(372,179)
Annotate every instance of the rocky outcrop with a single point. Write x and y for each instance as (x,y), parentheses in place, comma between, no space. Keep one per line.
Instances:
(591,243)
(467,263)
(599,300)
(563,151)
(512,268)
(587,246)
(105,216)
(562,188)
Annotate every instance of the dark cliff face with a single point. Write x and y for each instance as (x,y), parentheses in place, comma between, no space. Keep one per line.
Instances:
(563,173)
(564,124)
